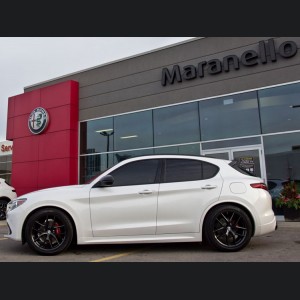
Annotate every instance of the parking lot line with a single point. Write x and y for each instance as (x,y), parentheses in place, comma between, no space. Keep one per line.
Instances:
(1,239)
(112,257)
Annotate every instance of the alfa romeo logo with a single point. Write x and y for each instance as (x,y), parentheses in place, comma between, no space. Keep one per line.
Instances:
(38,120)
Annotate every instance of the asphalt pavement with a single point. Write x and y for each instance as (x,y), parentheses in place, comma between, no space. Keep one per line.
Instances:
(282,245)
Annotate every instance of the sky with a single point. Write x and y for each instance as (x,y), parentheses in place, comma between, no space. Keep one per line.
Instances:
(25,61)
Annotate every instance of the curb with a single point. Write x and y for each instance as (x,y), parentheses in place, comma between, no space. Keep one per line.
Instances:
(286,224)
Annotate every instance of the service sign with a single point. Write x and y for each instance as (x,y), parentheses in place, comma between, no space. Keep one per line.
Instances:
(6,148)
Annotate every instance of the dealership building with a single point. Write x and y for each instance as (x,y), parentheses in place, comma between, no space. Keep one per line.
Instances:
(225,97)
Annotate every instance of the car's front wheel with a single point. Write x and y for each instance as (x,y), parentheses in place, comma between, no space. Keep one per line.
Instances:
(49,231)
(3,205)
(228,228)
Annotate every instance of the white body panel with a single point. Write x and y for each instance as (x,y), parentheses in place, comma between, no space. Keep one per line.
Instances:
(181,204)
(124,210)
(6,191)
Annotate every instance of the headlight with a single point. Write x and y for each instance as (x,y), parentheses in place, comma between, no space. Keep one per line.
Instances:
(15,203)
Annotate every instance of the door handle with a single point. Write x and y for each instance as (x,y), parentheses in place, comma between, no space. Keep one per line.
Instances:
(145,192)
(209,187)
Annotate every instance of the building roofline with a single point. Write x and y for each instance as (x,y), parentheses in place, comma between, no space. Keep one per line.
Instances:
(115,61)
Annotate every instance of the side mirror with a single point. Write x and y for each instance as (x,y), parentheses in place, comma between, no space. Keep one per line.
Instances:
(106,181)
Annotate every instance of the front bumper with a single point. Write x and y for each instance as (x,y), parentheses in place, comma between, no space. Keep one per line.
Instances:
(14,222)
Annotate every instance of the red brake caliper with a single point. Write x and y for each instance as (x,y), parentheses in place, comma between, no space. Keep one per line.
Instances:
(57,229)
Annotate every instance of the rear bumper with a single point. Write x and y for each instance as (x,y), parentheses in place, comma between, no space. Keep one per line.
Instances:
(266,227)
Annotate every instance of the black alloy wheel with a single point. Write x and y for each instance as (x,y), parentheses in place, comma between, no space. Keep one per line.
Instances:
(228,228)
(49,231)
(3,206)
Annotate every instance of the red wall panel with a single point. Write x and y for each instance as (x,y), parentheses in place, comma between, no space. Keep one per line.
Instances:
(26,149)
(10,129)
(21,127)
(54,171)
(59,95)
(11,107)
(25,176)
(25,102)
(55,145)
(48,159)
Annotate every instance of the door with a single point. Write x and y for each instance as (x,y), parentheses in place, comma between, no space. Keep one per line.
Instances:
(129,206)
(249,158)
(187,187)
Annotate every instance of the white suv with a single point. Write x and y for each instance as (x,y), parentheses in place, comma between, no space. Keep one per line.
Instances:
(157,198)
(7,193)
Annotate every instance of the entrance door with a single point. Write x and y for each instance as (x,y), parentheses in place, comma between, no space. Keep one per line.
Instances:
(250,158)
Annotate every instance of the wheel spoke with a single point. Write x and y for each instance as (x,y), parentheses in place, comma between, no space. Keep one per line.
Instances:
(231,217)
(47,222)
(225,218)
(55,238)
(218,229)
(39,237)
(239,227)
(220,222)
(43,225)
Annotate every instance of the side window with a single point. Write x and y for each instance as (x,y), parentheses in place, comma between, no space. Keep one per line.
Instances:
(178,170)
(136,173)
(209,170)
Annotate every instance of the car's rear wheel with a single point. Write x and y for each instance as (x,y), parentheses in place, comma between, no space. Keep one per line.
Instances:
(228,228)
(3,205)
(49,231)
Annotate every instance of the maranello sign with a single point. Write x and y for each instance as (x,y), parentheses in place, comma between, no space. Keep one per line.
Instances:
(267,52)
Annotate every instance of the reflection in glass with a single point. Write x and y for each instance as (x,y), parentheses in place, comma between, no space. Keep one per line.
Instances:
(282,153)
(120,156)
(92,166)
(133,131)
(5,167)
(176,124)
(248,160)
(231,143)
(95,136)
(191,149)
(279,108)
(220,155)
(230,116)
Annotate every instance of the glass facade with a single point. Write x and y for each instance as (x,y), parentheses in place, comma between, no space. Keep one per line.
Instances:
(231,116)
(5,167)
(282,152)
(279,108)
(267,118)
(176,124)
(133,131)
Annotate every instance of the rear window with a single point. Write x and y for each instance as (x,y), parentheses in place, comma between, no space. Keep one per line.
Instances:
(234,164)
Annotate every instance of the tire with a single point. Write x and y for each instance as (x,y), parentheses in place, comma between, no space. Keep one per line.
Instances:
(3,205)
(228,228)
(49,231)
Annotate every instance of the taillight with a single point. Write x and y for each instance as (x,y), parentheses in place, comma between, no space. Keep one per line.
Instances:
(259,186)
